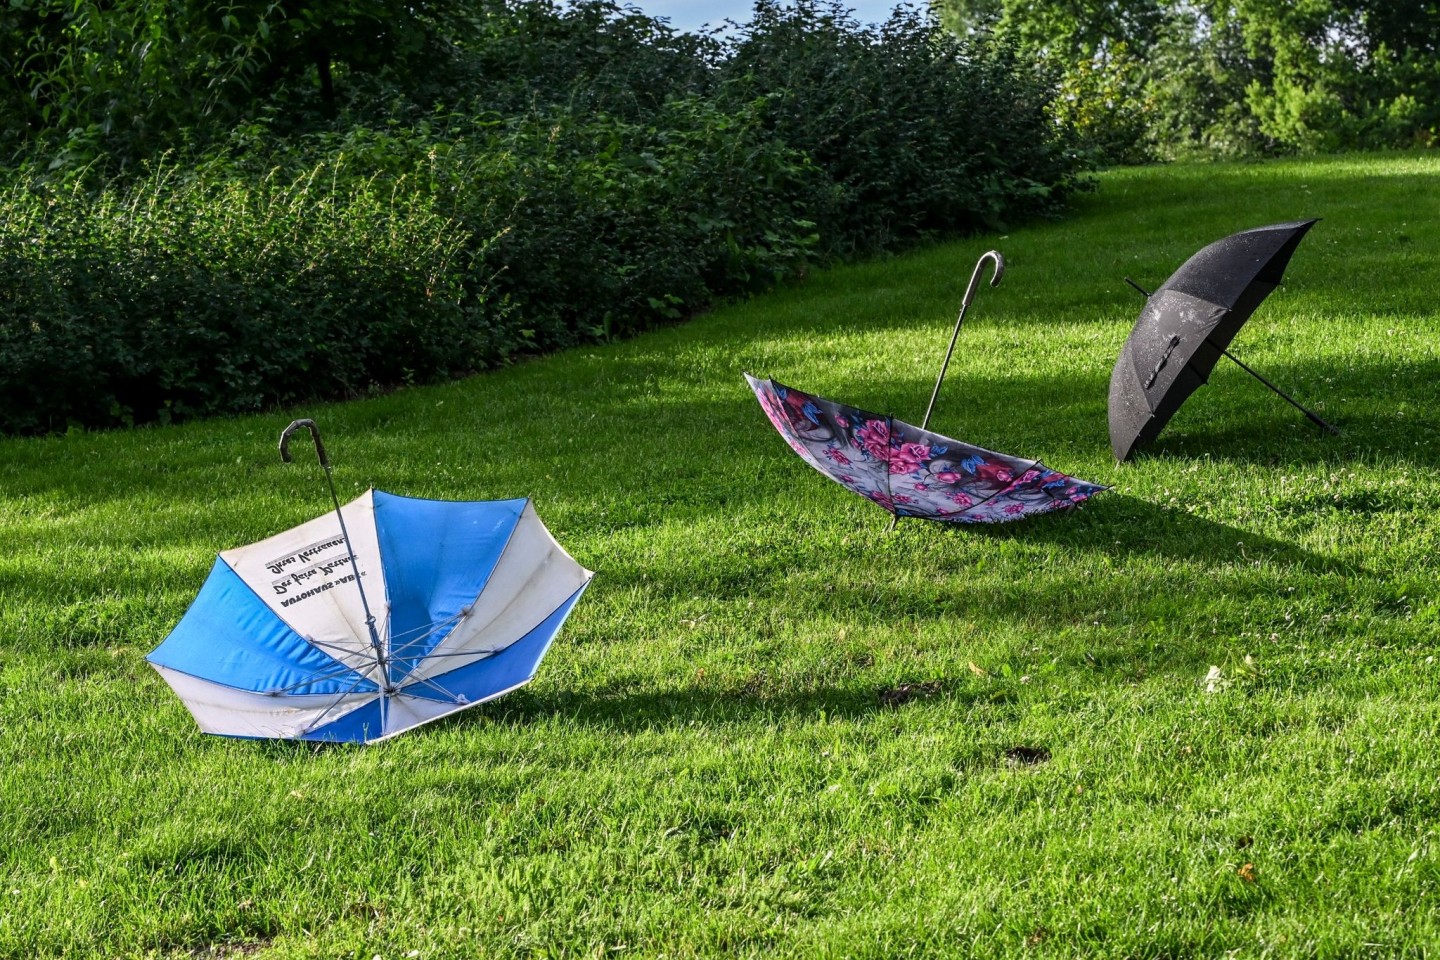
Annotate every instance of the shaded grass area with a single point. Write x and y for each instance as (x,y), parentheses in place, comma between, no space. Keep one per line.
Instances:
(714,759)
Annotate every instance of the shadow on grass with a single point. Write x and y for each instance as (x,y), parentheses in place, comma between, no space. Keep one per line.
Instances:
(629,711)
(1122,526)
(1142,634)
(1384,411)
(622,708)
(1381,408)
(671,459)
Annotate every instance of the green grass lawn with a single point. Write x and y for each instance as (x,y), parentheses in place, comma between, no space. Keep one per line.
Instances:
(707,763)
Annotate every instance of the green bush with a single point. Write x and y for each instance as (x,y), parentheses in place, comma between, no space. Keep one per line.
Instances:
(610,228)
(596,226)
(560,176)
(921,133)
(190,295)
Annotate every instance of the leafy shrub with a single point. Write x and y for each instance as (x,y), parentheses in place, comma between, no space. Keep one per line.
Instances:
(602,227)
(921,133)
(589,56)
(561,175)
(185,296)
(610,228)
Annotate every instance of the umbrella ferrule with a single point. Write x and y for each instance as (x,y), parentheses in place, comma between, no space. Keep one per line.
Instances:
(1143,292)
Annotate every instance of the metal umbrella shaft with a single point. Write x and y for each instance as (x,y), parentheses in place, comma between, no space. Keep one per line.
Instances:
(994,257)
(999,261)
(1314,417)
(380,657)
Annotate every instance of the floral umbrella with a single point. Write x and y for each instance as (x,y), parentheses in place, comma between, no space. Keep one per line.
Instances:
(912,472)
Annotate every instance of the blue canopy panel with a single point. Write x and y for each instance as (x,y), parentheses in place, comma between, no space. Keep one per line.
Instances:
(230,637)
(437,556)
(475,682)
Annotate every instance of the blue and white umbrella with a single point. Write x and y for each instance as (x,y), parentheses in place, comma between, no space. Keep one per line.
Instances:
(370,620)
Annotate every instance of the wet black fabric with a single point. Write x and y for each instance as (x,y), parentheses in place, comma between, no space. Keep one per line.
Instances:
(1186,325)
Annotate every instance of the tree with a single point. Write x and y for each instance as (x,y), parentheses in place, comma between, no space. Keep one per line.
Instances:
(125,79)
(1233,76)
(1064,29)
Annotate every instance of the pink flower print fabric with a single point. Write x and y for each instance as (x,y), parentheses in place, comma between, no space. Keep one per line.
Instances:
(913,472)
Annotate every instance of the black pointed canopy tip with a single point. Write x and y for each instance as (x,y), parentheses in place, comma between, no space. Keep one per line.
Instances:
(1187,324)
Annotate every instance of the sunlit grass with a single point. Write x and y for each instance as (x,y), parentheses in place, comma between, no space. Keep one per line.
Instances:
(706,764)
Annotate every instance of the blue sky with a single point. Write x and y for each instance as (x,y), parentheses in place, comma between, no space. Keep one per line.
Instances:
(691,14)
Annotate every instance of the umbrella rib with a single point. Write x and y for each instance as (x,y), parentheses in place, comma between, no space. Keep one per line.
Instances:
(347,651)
(404,654)
(431,683)
(500,559)
(430,630)
(1013,484)
(338,699)
(432,625)
(1008,486)
(317,678)
(478,654)
(366,658)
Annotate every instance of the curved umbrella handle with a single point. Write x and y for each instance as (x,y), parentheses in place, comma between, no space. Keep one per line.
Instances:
(314,432)
(994,257)
(382,654)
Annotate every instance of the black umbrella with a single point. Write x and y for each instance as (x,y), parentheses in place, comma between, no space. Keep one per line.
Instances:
(1187,325)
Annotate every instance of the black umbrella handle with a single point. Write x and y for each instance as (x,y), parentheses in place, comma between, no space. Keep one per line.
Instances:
(314,432)
(380,650)
(995,258)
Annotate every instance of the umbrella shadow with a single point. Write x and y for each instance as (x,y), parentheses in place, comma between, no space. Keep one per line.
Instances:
(1383,409)
(1120,525)
(627,710)
(1037,611)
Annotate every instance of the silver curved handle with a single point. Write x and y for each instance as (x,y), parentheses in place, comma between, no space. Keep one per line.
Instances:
(994,257)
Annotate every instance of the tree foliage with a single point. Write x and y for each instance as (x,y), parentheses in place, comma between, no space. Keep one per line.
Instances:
(124,79)
(1231,76)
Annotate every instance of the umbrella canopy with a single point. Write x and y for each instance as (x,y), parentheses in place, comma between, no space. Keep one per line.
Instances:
(1186,326)
(282,642)
(912,472)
